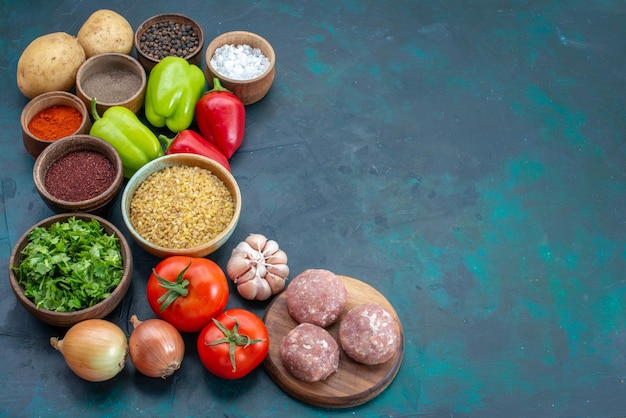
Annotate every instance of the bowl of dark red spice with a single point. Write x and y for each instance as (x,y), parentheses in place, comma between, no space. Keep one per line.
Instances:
(52,116)
(244,62)
(79,173)
(169,34)
(113,79)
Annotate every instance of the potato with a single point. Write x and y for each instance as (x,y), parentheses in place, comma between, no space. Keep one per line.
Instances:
(106,31)
(49,63)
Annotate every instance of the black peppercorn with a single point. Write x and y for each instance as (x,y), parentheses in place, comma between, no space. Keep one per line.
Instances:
(169,38)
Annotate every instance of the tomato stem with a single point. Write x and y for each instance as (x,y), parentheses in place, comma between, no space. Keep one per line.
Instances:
(233,339)
(174,289)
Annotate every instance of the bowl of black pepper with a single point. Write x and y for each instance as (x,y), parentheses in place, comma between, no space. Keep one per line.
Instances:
(113,79)
(169,34)
(79,173)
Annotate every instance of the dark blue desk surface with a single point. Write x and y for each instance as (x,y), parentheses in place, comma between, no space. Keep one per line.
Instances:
(465,158)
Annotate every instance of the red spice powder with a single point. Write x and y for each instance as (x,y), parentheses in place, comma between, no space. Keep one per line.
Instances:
(55,122)
(79,175)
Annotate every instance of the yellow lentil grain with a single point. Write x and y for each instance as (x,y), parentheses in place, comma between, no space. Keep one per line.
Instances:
(181,207)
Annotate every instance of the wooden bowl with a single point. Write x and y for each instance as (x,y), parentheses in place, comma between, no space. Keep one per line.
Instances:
(248,91)
(149,62)
(103,75)
(189,160)
(67,319)
(98,205)
(35,145)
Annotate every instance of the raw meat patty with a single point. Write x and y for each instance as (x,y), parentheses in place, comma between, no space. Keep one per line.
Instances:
(316,296)
(369,334)
(310,353)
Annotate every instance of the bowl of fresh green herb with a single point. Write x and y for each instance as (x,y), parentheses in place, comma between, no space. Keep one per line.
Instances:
(71,267)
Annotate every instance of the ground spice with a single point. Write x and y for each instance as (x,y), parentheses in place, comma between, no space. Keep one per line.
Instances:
(55,122)
(79,175)
(115,85)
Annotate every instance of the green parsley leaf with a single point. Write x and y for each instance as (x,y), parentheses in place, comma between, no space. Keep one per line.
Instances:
(70,265)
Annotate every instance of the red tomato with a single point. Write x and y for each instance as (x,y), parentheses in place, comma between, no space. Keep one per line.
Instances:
(233,344)
(187,292)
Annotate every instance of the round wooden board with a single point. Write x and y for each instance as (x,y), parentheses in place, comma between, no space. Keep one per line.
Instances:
(354,383)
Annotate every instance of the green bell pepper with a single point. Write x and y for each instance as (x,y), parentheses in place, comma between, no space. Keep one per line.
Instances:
(174,87)
(135,142)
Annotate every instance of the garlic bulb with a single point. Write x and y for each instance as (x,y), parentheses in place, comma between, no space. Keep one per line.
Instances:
(258,267)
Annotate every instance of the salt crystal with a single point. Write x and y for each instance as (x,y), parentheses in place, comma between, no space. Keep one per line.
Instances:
(239,62)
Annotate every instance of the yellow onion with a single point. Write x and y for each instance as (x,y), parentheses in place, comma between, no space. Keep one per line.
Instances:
(156,347)
(94,349)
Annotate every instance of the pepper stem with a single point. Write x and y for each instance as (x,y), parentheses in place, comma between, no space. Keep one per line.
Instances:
(167,141)
(94,110)
(174,289)
(233,338)
(217,86)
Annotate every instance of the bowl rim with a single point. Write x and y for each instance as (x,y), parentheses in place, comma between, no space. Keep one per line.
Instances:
(162,17)
(110,191)
(171,160)
(121,58)
(217,42)
(80,106)
(121,288)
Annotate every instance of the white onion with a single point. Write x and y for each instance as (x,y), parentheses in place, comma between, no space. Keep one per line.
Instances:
(94,349)
(156,347)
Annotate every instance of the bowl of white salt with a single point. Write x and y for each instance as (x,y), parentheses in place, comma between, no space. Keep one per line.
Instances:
(244,63)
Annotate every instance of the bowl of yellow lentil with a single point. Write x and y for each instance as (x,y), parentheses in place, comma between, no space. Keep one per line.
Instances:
(181,204)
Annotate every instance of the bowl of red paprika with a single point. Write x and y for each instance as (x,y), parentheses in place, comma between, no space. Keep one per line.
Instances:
(79,173)
(52,116)
(244,63)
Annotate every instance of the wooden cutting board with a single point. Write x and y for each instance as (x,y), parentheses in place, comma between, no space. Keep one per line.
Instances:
(354,383)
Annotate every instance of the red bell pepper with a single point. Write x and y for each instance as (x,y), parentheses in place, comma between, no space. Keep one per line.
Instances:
(191,142)
(221,118)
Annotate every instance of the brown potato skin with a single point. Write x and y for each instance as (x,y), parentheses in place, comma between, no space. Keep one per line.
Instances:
(49,63)
(106,31)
